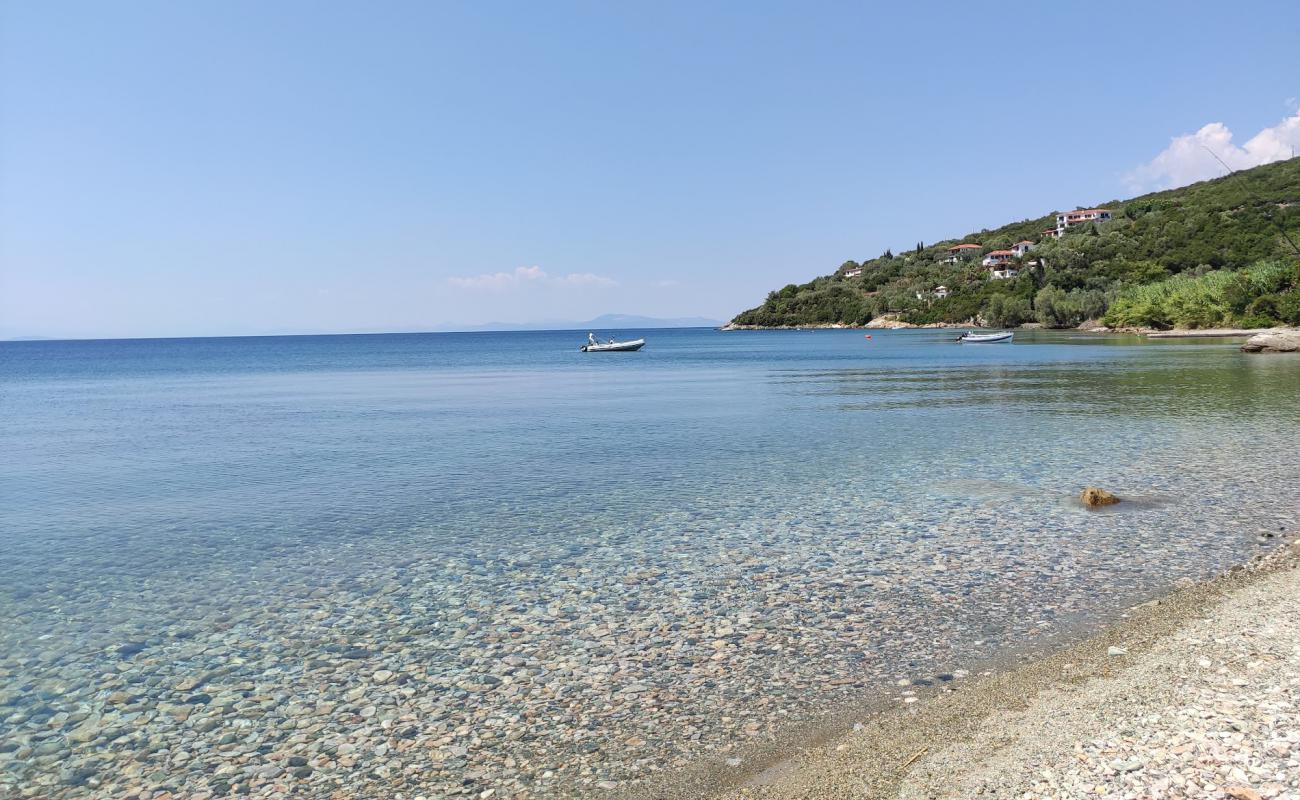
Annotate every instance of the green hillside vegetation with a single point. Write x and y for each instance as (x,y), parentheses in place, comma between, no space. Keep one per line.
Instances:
(1204,255)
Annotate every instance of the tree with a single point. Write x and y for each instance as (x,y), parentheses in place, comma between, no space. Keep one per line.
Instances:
(1054,308)
(1005,311)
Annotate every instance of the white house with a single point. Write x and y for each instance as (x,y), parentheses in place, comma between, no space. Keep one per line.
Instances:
(1068,219)
(961,251)
(853,273)
(941,292)
(999,264)
(997,258)
(1022,247)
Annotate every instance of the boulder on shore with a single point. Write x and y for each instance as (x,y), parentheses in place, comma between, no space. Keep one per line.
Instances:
(1093,497)
(1286,341)
(888,322)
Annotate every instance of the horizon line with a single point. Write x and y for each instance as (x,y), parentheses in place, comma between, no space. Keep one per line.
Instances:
(37,339)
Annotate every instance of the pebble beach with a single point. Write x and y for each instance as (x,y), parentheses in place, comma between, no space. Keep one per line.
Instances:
(1195,695)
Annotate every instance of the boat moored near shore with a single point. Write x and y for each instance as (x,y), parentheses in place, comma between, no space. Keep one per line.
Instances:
(971,337)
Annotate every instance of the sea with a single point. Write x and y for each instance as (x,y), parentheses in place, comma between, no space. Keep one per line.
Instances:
(454,564)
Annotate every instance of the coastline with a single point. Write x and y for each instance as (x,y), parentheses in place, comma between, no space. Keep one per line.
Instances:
(1093,717)
(1151,333)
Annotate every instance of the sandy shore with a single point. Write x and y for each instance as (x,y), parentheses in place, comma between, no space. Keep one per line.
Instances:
(1212,333)
(1196,695)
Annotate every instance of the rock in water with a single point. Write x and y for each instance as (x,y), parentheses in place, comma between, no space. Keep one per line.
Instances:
(131,648)
(1093,497)
(1273,342)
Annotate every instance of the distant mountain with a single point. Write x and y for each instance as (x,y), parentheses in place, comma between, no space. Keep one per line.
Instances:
(605,322)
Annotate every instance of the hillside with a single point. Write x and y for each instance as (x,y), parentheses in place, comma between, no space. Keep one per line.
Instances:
(1208,254)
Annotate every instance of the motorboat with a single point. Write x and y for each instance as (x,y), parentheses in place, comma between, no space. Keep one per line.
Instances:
(971,337)
(611,346)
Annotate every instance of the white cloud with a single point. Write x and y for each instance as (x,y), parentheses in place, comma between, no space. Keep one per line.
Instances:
(1188,159)
(528,276)
(586,279)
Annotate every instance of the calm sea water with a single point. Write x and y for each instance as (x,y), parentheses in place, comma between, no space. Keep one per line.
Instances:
(900,505)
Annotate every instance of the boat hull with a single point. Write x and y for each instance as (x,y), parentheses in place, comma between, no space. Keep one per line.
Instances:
(614,347)
(986,338)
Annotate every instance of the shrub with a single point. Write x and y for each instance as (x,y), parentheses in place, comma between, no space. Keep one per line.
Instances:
(1258,294)
(1288,307)
(1252,321)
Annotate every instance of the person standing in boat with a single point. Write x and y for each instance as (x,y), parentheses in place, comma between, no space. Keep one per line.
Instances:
(591,338)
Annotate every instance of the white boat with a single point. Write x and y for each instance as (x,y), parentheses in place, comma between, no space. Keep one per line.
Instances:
(593,346)
(971,337)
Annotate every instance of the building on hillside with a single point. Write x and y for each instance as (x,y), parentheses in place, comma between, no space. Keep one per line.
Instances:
(938,293)
(1051,232)
(853,272)
(997,258)
(1068,219)
(998,263)
(1022,247)
(961,251)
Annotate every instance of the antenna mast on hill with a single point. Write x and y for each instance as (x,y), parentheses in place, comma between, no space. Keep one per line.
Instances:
(1231,171)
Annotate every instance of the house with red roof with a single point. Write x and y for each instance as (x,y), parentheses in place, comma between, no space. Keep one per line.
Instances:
(999,264)
(961,251)
(997,258)
(1068,219)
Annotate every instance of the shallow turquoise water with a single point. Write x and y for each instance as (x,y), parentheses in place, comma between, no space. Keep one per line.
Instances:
(910,496)
(509,434)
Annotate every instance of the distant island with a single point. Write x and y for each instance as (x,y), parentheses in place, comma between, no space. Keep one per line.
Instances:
(1212,254)
(605,322)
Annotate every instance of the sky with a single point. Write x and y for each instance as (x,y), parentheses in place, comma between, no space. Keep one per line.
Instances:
(235,167)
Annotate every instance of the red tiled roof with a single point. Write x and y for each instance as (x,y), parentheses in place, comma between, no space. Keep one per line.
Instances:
(1024,241)
(965,247)
(1001,253)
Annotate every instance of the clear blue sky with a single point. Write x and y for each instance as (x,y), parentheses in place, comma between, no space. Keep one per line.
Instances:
(201,168)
